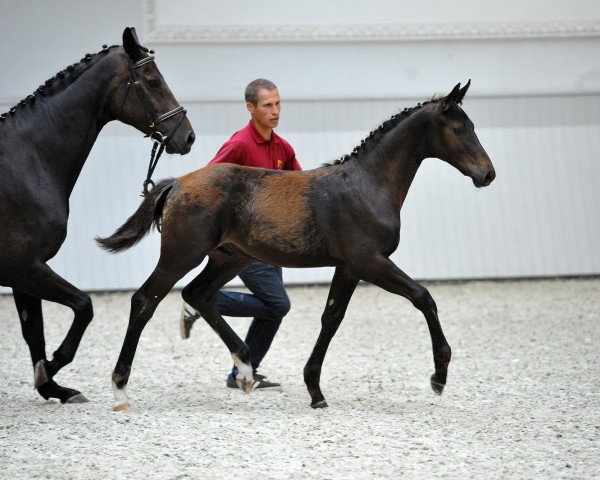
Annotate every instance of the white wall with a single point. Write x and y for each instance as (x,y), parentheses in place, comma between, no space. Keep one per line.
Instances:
(535,101)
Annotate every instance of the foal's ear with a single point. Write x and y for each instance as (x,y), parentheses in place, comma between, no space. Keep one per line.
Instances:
(451,97)
(131,44)
(462,92)
(456,95)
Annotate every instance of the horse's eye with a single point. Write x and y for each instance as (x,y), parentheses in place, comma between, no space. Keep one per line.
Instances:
(154,83)
(458,130)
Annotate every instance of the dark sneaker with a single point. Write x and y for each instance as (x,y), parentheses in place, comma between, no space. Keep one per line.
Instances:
(187,319)
(261,384)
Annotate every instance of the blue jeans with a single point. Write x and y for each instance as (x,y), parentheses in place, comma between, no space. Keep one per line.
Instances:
(268,304)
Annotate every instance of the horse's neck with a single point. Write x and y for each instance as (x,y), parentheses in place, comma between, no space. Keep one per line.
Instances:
(68,124)
(394,162)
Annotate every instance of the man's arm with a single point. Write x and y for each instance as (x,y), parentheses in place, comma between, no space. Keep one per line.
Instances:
(291,163)
(228,153)
(295,165)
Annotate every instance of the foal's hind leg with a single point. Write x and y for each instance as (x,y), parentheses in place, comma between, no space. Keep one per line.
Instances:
(143,304)
(383,273)
(41,282)
(200,294)
(342,288)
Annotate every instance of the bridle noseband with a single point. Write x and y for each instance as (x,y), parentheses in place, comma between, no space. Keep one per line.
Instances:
(152,119)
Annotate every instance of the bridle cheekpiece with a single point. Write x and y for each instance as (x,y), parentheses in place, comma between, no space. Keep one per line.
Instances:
(152,119)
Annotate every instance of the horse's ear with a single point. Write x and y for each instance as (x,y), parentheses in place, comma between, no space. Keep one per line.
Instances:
(462,92)
(131,44)
(451,97)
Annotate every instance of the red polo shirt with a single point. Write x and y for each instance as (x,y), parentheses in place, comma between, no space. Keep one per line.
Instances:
(249,148)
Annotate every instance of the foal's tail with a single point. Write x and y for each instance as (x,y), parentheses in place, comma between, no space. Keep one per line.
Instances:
(139,224)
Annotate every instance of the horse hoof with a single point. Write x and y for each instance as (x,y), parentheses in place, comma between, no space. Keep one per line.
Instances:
(321,404)
(124,407)
(77,398)
(244,385)
(437,387)
(40,375)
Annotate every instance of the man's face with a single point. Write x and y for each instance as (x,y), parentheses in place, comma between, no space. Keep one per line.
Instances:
(266,111)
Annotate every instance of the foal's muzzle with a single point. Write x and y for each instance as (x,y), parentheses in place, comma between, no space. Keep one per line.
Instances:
(484,178)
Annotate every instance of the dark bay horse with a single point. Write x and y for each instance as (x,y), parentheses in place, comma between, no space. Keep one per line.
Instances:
(44,142)
(345,215)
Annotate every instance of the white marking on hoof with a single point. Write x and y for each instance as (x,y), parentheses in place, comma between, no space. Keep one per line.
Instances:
(125,407)
(331,302)
(121,400)
(244,378)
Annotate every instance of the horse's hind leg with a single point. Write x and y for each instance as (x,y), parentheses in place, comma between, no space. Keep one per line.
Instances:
(47,285)
(383,273)
(32,327)
(143,304)
(342,288)
(200,294)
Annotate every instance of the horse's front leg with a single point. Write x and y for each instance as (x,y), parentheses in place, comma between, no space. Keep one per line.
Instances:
(143,305)
(342,288)
(381,271)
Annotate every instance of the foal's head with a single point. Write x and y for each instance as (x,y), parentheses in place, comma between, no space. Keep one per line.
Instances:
(455,141)
(143,99)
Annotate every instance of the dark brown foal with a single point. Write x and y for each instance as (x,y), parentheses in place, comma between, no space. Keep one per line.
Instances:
(345,215)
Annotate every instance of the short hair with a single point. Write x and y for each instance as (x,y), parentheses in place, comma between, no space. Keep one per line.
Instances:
(251,93)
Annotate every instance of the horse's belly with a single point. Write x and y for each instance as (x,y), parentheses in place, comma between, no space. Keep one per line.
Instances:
(287,254)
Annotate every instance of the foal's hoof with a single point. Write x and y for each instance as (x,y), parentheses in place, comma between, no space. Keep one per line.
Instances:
(436,385)
(319,404)
(77,398)
(244,385)
(124,407)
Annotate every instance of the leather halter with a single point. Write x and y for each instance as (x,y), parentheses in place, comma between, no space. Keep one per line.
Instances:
(152,120)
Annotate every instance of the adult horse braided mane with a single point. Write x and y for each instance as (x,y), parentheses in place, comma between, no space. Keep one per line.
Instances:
(42,153)
(61,80)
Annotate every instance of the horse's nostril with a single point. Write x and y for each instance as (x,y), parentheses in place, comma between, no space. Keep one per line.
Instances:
(489,178)
(191,138)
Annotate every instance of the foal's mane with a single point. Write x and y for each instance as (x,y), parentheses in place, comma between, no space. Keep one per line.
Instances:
(62,79)
(376,135)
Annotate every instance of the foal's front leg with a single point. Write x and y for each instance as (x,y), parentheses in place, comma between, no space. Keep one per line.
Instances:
(342,288)
(381,271)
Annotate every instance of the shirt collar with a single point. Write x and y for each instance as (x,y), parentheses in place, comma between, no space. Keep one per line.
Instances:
(258,138)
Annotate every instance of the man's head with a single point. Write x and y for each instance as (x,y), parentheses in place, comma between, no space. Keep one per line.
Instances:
(262,101)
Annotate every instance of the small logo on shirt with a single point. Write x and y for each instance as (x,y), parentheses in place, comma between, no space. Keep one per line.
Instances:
(279,164)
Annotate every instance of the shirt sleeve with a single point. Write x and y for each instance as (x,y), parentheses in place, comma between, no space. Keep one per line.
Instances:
(295,164)
(228,153)
(291,162)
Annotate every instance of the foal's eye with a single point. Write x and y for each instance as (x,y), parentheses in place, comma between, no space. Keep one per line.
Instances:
(154,83)
(458,130)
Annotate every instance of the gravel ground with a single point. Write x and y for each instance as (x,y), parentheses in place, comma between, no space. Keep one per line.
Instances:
(522,399)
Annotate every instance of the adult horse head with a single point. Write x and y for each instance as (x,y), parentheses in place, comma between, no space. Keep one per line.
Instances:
(152,108)
(44,142)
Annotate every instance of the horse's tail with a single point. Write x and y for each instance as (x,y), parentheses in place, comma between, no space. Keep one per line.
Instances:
(139,224)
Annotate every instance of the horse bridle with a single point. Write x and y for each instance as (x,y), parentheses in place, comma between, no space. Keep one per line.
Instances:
(152,119)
